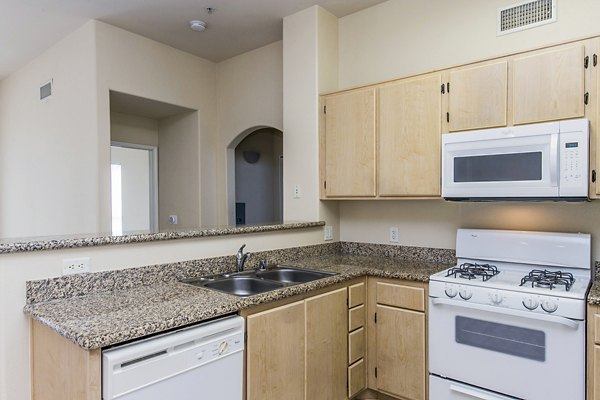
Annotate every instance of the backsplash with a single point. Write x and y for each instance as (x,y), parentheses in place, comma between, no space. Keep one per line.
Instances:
(107,281)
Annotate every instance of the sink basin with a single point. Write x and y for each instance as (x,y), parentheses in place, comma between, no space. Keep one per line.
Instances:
(242,286)
(292,275)
(249,283)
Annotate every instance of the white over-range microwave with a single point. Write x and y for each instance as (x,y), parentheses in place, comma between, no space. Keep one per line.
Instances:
(547,161)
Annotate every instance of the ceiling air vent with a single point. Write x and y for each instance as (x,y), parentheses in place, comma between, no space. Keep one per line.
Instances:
(525,15)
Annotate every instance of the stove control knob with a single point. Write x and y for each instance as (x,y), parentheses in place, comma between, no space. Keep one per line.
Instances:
(465,294)
(549,306)
(496,298)
(530,303)
(450,292)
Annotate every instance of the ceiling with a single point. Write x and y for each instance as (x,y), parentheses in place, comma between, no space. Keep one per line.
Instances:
(27,27)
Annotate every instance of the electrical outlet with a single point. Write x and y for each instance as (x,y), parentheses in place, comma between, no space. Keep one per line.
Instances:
(297,193)
(328,232)
(394,234)
(76,265)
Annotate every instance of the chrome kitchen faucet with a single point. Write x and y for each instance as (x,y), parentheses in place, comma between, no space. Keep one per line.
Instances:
(241,258)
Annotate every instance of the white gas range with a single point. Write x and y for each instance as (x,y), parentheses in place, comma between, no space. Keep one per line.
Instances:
(510,313)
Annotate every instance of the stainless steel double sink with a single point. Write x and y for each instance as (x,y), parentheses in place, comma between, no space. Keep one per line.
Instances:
(250,283)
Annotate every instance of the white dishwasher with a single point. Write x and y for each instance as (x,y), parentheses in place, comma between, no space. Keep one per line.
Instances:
(201,362)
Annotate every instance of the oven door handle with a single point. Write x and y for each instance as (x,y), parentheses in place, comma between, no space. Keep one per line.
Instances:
(473,392)
(507,311)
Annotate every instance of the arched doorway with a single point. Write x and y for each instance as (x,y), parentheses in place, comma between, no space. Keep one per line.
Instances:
(258,177)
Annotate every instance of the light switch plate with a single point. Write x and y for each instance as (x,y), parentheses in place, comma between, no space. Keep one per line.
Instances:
(328,232)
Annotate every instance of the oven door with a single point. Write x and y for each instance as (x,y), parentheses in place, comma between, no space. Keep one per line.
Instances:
(506,163)
(507,351)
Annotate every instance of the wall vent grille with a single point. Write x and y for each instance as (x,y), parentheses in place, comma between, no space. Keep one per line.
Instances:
(46,90)
(526,15)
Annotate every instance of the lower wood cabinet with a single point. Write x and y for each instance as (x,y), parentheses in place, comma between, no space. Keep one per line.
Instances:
(593,353)
(298,351)
(397,344)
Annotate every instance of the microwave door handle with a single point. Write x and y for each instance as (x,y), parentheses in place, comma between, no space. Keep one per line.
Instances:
(473,392)
(554,165)
(507,311)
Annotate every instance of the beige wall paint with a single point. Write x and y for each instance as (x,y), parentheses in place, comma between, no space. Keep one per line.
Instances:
(133,129)
(403,37)
(135,65)
(433,223)
(179,180)
(249,96)
(48,149)
(16,269)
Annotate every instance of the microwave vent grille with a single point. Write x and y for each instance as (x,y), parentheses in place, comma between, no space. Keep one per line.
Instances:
(525,15)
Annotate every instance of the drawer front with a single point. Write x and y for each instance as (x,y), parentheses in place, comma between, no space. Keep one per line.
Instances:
(412,298)
(356,318)
(356,378)
(356,295)
(356,345)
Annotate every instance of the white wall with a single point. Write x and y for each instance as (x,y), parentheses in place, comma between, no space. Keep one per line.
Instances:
(403,37)
(399,38)
(179,182)
(249,96)
(133,129)
(135,65)
(48,149)
(309,66)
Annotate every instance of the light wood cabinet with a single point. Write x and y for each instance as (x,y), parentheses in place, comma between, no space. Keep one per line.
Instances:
(593,353)
(549,85)
(409,129)
(397,338)
(61,370)
(349,144)
(298,350)
(477,96)
(326,344)
(275,361)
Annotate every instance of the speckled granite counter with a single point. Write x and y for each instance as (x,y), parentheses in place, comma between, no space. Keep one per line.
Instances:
(102,319)
(594,293)
(54,243)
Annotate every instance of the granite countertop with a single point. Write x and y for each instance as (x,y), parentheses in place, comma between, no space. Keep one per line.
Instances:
(594,294)
(104,319)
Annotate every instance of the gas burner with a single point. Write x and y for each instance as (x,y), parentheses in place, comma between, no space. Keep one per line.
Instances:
(548,279)
(474,271)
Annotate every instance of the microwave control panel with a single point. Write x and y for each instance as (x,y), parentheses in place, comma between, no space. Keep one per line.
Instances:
(573,153)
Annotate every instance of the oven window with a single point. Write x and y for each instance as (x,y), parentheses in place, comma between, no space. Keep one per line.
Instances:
(508,339)
(499,167)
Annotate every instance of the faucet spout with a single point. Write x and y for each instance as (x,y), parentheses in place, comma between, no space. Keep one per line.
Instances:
(241,258)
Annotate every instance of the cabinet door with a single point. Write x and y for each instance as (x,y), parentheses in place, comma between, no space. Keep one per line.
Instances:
(275,353)
(478,97)
(410,137)
(549,86)
(401,367)
(326,345)
(350,144)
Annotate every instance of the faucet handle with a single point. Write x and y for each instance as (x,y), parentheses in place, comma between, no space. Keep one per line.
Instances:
(262,265)
(241,250)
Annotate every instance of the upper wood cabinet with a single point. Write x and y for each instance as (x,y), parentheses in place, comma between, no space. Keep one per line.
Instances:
(410,137)
(477,96)
(349,144)
(549,85)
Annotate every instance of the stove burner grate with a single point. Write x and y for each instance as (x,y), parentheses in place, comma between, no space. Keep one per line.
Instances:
(548,279)
(474,271)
